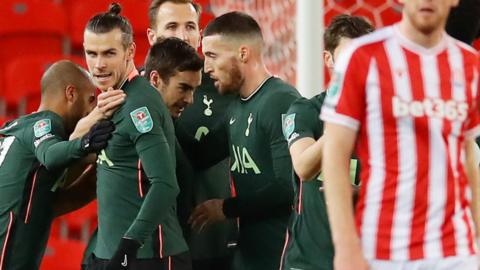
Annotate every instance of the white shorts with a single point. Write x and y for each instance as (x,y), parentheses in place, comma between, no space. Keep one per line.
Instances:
(449,263)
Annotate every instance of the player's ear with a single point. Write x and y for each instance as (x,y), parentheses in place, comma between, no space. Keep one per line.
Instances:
(243,53)
(155,79)
(70,93)
(328,58)
(131,51)
(152,37)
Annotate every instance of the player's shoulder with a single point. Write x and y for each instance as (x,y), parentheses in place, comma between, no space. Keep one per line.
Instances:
(140,93)
(364,46)
(43,118)
(466,49)
(376,37)
(277,90)
(303,105)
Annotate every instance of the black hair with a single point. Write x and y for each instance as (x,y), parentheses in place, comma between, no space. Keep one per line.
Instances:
(345,26)
(235,24)
(171,55)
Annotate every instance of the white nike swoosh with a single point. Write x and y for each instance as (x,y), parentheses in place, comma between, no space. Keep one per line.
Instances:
(232,120)
(125,263)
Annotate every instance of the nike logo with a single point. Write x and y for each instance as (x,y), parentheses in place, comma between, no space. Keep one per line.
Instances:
(232,120)
(125,263)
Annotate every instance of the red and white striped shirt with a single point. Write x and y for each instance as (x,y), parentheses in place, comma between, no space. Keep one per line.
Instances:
(412,108)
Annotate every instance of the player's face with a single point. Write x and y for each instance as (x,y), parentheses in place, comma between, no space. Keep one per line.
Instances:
(330,58)
(178,92)
(427,16)
(221,64)
(106,58)
(176,20)
(82,104)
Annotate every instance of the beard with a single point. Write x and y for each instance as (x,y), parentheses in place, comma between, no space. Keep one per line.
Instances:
(426,25)
(236,80)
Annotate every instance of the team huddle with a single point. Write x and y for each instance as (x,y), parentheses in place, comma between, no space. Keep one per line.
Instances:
(212,163)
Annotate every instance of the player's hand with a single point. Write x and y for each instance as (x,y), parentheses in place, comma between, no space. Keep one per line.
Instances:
(96,139)
(125,254)
(207,213)
(349,258)
(109,101)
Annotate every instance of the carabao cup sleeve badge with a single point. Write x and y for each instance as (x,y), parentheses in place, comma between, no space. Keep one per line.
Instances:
(42,127)
(142,119)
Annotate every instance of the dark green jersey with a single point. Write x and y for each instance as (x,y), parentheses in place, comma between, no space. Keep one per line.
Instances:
(261,169)
(33,155)
(199,185)
(310,245)
(136,183)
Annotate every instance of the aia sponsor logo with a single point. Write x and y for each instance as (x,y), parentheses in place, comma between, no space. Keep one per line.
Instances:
(445,109)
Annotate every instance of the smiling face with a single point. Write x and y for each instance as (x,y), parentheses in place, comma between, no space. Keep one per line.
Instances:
(427,16)
(107,59)
(221,64)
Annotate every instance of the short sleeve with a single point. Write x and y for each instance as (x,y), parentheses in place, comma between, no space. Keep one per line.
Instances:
(345,102)
(300,121)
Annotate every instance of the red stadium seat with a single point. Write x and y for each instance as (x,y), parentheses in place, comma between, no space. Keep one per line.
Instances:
(31,27)
(136,11)
(63,254)
(79,224)
(22,80)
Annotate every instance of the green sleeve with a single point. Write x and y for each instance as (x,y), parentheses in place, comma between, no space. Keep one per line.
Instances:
(163,191)
(300,121)
(50,148)
(277,196)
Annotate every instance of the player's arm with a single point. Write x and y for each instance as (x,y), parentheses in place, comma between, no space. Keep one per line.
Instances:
(108,102)
(211,149)
(307,157)
(163,190)
(161,196)
(53,153)
(343,112)
(298,128)
(77,194)
(338,148)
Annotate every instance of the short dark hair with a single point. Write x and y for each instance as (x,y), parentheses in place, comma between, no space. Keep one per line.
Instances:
(235,24)
(107,21)
(155,5)
(345,26)
(171,55)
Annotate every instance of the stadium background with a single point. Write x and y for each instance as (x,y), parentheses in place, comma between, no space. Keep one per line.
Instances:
(36,33)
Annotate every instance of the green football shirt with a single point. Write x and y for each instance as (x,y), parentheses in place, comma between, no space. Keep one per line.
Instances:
(33,156)
(198,185)
(136,183)
(310,244)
